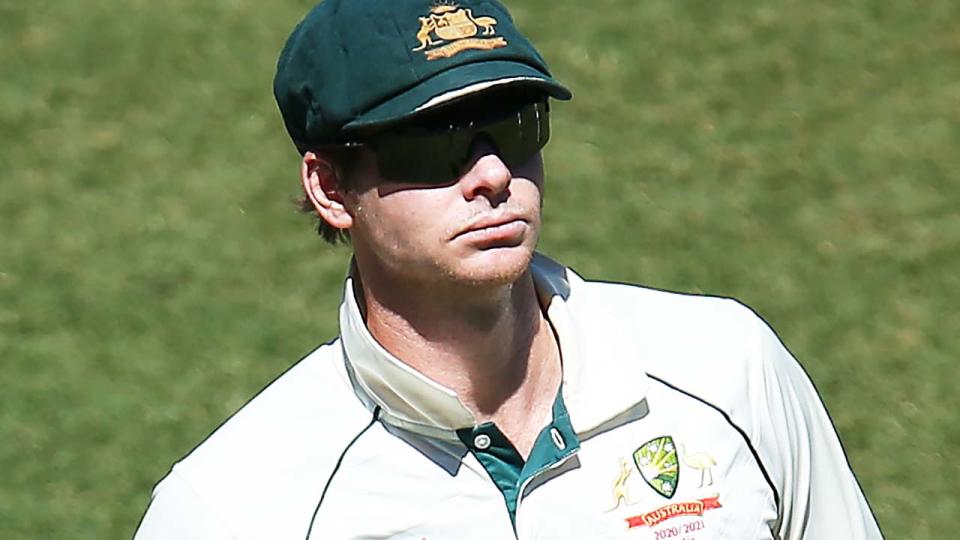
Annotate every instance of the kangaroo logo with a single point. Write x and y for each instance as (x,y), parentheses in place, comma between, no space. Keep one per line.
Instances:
(450,30)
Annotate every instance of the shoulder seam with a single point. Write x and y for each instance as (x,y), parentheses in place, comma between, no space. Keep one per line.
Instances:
(336,468)
(761,324)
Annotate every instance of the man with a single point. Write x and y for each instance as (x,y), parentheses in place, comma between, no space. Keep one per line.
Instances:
(478,390)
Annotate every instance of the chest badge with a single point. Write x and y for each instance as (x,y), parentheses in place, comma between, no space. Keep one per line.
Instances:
(657,462)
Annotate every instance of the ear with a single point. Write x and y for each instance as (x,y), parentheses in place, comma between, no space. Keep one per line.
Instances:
(322,188)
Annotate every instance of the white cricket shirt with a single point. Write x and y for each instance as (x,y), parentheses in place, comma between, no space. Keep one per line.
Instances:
(679,416)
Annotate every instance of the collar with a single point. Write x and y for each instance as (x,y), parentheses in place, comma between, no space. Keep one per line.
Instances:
(612,386)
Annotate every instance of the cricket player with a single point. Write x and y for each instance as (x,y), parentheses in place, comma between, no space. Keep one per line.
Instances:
(479,390)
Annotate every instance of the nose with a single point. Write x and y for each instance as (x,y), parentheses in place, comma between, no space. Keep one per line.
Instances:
(488,176)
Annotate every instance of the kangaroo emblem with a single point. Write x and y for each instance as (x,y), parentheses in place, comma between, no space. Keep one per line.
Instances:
(452,29)
(427,25)
(620,493)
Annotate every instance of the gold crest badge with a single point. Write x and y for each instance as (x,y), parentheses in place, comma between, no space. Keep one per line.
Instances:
(450,29)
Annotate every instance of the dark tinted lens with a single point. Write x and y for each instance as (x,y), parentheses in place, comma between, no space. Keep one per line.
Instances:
(422,159)
(440,157)
(518,138)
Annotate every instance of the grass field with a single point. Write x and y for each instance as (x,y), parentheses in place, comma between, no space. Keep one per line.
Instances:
(800,156)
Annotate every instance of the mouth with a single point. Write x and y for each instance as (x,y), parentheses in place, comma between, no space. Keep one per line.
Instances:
(501,230)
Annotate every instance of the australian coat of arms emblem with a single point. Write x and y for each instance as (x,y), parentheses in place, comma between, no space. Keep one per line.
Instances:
(657,461)
(449,29)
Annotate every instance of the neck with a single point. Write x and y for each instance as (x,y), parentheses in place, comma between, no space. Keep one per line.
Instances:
(493,347)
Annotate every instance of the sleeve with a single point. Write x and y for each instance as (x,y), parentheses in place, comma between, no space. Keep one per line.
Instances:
(177,512)
(820,498)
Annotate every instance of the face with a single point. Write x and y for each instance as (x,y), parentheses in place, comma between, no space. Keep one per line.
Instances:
(477,230)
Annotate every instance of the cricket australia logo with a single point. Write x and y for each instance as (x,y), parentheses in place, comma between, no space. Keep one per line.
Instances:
(657,461)
(450,29)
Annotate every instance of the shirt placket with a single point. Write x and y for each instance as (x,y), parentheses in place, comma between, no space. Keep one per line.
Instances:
(554,446)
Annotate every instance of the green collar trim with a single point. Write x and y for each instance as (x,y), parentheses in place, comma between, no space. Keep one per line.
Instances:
(508,470)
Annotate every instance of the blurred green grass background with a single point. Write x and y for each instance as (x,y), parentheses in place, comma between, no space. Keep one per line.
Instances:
(800,156)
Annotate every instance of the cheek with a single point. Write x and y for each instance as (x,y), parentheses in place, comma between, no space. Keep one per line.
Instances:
(527,193)
(532,193)
(403,219)
(528,180)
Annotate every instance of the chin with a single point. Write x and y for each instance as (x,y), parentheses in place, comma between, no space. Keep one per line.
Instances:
(494,266)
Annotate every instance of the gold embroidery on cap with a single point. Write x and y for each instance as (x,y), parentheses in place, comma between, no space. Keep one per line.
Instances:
(455,30)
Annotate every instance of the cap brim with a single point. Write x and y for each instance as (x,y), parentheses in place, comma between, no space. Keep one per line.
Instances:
(454,84)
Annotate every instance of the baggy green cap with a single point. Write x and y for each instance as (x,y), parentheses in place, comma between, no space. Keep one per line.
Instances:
(355,65)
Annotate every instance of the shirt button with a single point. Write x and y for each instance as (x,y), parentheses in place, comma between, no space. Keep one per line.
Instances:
(557,438)
(481,441)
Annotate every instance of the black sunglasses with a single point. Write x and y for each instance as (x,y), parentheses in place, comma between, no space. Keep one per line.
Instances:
(436,152)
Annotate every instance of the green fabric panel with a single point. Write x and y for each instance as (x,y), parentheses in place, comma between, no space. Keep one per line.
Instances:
(502,462)
(545,453)
(507,468)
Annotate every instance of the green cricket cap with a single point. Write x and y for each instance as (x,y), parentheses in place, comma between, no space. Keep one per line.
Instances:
(357,65)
